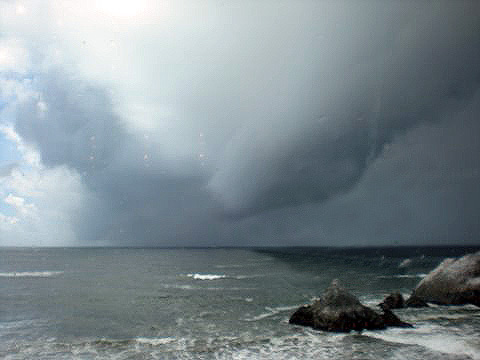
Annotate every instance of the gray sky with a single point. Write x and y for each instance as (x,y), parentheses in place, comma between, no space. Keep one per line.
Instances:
(239,122)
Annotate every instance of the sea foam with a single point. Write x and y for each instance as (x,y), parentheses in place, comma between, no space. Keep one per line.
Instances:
(30,274)
(206,276)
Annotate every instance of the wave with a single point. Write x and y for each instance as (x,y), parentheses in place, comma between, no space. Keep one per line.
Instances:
(198,276)
(272,312)
(304,342)
(434,338)
(206,276)
(229,266)
(405,263)
(155,341)
(400,276)
(16,274)
(247,346)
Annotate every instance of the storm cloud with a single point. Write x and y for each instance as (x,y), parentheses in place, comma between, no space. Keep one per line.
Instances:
(252,123)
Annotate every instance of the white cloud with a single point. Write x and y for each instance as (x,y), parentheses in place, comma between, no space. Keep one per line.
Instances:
(13,57)
(21,206)
(30,156)
(47,203)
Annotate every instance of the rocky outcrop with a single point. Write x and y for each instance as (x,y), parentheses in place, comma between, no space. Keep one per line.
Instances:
(390,319)
(393,301)
(415,302)
(338,310)
(453,282)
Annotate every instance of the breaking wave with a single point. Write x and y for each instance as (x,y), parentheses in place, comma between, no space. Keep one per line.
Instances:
(272,312)
(15,274)
(206,276)
(400,276)
(198,276)
(434,338)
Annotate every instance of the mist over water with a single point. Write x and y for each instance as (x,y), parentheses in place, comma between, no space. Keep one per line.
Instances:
(216,303)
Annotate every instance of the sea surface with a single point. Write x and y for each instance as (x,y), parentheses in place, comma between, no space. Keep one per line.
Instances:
(215,303)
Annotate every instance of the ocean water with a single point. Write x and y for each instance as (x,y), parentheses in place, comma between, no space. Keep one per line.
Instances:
(125,303)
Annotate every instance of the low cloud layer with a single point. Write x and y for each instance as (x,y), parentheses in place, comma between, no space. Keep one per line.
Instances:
(245,123)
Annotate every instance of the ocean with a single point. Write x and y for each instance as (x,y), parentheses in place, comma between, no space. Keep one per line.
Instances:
(217,303)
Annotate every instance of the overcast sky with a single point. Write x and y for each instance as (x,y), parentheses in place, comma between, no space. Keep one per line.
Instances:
(202,122)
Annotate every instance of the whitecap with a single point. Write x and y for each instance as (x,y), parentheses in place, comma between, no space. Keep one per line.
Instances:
(432,337)
(272,312)
(16,274)
(402,276)
(405,263)
(206,276)
(155,341)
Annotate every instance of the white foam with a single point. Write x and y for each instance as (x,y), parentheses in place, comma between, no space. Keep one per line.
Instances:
(155,341)
(181,287)
(206,276)
(431,337)
(405,263)
(272,312)
(305,345)
(400,276)
(30,274)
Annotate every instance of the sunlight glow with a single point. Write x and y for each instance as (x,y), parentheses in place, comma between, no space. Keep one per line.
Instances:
(122,8)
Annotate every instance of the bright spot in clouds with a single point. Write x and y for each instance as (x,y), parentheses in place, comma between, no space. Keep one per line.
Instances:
(20,10)
(122,8)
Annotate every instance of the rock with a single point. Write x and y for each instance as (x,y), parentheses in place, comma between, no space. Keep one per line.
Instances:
(338,310)
(393,301)
(303,316)
(391,319)
(416,302)
(453,282)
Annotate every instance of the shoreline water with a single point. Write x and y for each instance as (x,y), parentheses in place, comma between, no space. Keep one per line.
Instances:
(131,303)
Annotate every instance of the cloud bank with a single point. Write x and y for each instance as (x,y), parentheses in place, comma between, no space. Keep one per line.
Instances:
(269,123)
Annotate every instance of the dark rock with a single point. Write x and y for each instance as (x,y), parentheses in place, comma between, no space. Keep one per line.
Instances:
(303,316)
(416,302)
(391,319)
(338,310)
(393,301)
(453,282)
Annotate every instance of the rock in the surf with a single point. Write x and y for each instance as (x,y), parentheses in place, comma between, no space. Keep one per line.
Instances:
(393,301)
(453,282)
(415,302)
(338,310)
(390,319)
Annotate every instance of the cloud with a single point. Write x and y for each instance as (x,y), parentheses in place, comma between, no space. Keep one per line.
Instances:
(6,170)
(193,122)
(45,204)
(39,205)
(13,57)
(319,146)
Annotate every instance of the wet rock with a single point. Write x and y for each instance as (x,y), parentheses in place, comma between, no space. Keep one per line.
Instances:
(391,319)
(338,310)
(416,302)
(303,316)
(393,301)
(453,282)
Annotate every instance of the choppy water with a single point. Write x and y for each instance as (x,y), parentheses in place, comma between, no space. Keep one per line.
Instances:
(215,304)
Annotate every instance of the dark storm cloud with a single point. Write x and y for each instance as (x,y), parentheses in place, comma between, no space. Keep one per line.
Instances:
(307,112)
(76,126)
(137,198)
(428,66)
